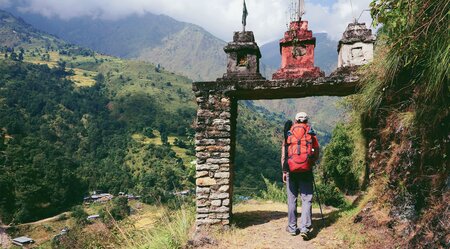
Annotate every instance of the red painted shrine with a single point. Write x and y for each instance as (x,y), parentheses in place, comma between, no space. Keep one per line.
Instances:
(297,53)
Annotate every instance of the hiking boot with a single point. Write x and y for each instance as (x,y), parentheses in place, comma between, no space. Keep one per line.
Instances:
(304,235)
(293,233)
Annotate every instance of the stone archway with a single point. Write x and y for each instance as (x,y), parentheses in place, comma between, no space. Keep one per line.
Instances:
(216,127)
(217,107)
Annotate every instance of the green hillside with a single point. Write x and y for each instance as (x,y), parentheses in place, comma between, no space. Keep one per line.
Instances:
(188,50)
(84,121)
(14,32)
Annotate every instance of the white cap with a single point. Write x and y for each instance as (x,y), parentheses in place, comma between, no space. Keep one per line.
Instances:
(301,116)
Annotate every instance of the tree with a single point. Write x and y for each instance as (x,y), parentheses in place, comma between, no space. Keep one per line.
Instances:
(13,56)
(21,54)
(61,68)
(164,138)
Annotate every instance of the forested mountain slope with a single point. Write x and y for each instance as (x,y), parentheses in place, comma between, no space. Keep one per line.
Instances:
(187,50)
(81,121)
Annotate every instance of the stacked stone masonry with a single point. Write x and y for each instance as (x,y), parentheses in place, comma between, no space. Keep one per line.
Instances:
(213,151)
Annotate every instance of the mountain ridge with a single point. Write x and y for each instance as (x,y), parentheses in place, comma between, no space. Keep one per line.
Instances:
(142,37)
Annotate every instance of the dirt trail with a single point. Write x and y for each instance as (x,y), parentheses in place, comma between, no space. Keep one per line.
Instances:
(5,240)
(262,226)
(56,217)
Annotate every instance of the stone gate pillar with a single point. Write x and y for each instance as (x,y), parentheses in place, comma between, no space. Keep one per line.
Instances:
(214,150)
(215,131)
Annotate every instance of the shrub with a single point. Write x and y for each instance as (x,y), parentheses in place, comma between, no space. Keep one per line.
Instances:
(149,132)
(274,192)
(330,195)
(173,231)
(61,217)
(79,215)
(338,160)
(120,208)
(180,143)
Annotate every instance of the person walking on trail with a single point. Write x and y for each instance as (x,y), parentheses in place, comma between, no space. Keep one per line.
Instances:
(300,150)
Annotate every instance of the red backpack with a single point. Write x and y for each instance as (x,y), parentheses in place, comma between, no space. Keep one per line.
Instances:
(300,150)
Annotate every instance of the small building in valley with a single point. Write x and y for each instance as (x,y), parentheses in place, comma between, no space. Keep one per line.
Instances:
(93,217)
(105,197)
(22,241)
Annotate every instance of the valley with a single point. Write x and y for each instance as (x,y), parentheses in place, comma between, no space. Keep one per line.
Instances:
(120,123)
(92,105)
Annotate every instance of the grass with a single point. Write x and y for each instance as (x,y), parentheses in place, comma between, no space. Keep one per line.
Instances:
(42,233)
(357,235)
(83,78)
(172,231)
(150,226)
(346,230)
(156,140)
(141,138)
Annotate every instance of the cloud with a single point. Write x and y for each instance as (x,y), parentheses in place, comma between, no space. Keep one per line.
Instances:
(266,18)
(333,19)
(5,3)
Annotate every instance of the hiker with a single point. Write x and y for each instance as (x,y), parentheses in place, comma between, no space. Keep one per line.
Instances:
(300,150)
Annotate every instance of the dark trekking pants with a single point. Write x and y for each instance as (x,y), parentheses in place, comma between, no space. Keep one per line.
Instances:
(299,183)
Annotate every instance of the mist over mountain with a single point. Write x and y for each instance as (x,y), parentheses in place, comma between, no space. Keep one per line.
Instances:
(177,46)
(180,47)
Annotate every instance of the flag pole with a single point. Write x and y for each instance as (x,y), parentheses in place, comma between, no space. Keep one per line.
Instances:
(244,17)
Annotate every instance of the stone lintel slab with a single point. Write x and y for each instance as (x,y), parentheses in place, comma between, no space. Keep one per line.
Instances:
(342,82)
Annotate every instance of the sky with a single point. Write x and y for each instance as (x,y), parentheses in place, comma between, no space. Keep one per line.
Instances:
(267,18)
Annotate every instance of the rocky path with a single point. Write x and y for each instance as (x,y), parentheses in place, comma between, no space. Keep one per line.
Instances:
(262,226)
